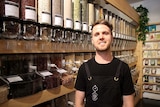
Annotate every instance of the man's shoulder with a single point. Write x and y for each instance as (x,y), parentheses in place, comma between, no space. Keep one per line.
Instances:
(91,60)
(119,60)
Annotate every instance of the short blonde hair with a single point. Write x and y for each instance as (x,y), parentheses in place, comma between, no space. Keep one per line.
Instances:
(104,22)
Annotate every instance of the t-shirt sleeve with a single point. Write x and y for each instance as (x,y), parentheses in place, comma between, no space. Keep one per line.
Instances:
(127,84)
(80,83)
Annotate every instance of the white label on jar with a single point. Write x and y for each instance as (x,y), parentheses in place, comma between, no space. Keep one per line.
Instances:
(77,25)
(30,13)
(11,9)
(85,27)
(58,20)
(69,23)
(46,18)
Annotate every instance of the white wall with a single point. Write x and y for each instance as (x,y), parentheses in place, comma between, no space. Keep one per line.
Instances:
(153,7)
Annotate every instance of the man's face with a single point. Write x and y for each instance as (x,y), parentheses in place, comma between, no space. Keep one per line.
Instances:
(101,37)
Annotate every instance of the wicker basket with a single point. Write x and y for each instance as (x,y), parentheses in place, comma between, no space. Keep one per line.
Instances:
(31,83)
(3,91)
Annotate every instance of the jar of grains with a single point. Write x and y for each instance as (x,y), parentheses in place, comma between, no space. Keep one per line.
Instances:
(9,19)
(28,14)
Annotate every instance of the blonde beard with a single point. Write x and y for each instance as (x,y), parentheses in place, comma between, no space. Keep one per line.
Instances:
(108,48)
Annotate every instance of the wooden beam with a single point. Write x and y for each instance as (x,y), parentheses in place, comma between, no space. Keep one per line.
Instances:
(124,7)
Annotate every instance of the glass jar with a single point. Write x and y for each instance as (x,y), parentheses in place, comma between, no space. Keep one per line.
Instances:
(30,30)
(9,19)
(57,34)
(29,19)
(10,27)
(45,32)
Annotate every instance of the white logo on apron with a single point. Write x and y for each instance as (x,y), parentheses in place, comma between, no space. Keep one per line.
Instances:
(94,94)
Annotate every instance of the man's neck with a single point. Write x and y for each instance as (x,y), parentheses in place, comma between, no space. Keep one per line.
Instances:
(104,57)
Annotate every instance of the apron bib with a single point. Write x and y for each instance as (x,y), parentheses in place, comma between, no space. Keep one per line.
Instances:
(103,91)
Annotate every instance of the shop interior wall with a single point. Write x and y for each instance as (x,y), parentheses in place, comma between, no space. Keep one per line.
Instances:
(153,8)
(154,16)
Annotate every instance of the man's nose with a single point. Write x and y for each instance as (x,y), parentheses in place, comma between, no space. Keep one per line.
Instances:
(101,36)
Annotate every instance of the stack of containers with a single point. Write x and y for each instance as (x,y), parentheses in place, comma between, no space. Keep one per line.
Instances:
(44,18)
(28,15)
(68,21)
(57,21)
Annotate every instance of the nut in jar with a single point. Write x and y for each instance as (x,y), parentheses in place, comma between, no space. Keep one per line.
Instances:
(10,28)
(45,33)
(30,30)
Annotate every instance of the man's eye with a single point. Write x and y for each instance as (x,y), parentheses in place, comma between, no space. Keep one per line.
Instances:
(96,34)
(105,33)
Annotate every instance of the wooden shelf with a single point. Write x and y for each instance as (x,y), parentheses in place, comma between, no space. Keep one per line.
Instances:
(156,75)
(154,32)
(39,97)
(152,41)
(158,23)
(22,46)
(152,83)
(151,66)
(156,92)
(152,58)
(151,49)
(127,49)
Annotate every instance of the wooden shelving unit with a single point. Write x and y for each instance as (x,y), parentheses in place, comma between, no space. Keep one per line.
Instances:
(151,60)
(39,97)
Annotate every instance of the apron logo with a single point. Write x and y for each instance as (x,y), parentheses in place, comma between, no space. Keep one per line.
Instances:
(94,94)
(116,78)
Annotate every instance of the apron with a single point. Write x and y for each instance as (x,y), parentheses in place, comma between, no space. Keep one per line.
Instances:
(103,91)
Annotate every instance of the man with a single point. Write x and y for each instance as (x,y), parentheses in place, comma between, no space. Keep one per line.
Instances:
(104,81)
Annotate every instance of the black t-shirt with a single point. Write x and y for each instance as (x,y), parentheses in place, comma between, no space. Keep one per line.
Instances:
(126,83)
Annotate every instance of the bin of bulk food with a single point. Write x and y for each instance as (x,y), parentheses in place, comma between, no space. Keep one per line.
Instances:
(3,90)
(50,79)
(24,84)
